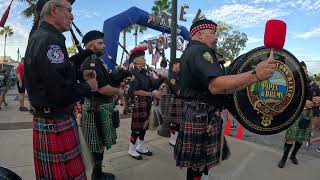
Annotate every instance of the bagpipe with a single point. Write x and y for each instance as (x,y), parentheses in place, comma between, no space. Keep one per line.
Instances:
(270,106)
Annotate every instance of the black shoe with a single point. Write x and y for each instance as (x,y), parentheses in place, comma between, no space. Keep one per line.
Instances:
(23,109)
(137,157)
(103,176)
(282,162)
(97,174)
(5,104)
(149,153)
(294,160)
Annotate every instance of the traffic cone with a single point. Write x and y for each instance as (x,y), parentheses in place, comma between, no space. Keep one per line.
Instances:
(227,129)
(240,132)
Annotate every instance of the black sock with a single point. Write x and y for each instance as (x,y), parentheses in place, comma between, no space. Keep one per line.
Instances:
(296,148)
(193,175)
(205,171)
(142,134)
(287,148)
(98,158)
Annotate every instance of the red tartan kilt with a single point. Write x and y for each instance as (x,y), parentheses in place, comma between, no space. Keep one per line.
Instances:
(176,114)
(192,149)
(56,149)
(141,112)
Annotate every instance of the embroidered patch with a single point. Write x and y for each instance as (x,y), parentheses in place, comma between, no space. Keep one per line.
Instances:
(173,81)
(207,56)
(55,54)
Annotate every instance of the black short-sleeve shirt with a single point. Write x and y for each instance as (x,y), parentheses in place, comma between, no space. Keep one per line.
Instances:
(199,65)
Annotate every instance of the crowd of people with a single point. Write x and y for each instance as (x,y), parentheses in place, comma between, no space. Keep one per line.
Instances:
(196,83)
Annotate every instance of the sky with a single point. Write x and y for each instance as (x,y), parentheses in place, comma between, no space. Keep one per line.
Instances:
(248,16)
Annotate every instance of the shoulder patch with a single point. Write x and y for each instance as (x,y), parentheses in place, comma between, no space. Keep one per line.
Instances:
(207,56)
(173,81)
(55,54)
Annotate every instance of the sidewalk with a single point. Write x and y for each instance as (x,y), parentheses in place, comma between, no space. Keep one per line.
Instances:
(248,161)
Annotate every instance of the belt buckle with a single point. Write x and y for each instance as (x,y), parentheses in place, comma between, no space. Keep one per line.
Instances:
(50,127)
(47,110)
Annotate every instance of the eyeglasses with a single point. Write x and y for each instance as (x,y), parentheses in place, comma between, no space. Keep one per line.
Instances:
(67,8)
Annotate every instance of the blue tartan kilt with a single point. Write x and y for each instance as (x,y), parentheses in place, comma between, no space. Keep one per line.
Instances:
(197,145)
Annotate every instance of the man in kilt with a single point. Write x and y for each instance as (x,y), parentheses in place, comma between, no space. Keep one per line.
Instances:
(143,89)
(301,129)
(176,114)
(96,122)
(53,90)
(198,146)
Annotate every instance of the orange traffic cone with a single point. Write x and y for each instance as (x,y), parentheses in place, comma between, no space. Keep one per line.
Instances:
(240,132)
(227,130)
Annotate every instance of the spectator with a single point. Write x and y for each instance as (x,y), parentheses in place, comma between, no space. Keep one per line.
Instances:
(5,87)
(20,85)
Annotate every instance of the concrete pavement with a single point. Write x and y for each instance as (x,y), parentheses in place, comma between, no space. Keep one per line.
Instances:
(248,161)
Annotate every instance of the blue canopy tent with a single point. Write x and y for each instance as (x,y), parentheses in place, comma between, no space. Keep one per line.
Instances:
(113,26)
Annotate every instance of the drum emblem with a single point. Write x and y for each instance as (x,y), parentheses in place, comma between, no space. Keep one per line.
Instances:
(272,96)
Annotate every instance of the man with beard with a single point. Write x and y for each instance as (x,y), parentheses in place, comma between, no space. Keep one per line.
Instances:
(96,122)
(198,146)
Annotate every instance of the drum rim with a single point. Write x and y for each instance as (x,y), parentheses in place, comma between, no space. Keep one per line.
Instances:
(9,170)
(257,129)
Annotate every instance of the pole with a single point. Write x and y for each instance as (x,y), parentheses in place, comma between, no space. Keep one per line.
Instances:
(164,130)
(173,48)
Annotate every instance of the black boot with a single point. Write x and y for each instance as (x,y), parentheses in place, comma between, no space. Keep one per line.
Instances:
(283,160)
(296,148)
(97,173)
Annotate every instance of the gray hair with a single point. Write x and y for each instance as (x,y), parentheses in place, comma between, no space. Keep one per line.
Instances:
(46,10)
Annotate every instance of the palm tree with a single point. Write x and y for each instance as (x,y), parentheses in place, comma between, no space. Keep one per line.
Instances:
(161,5)
(124,40)
(158,6)
(7,32)
(138,29)
(31,9)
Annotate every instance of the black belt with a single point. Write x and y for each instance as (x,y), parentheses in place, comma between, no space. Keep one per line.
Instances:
(52,111)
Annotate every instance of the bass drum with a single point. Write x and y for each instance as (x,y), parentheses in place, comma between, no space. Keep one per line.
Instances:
(270,106)
(7,174)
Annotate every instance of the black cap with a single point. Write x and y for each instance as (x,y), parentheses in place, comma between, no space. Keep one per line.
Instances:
(202,24)
(92,35)
(136,54)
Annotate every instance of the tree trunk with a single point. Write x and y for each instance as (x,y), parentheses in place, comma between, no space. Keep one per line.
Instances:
(124,45)
(4,51)
(136,35)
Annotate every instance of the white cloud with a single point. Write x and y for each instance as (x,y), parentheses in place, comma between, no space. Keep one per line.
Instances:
(244,15)
(17,40)
(309,5)
(310,34)
(254,40)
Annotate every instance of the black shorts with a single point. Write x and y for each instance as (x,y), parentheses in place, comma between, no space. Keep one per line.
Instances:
(21,90)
